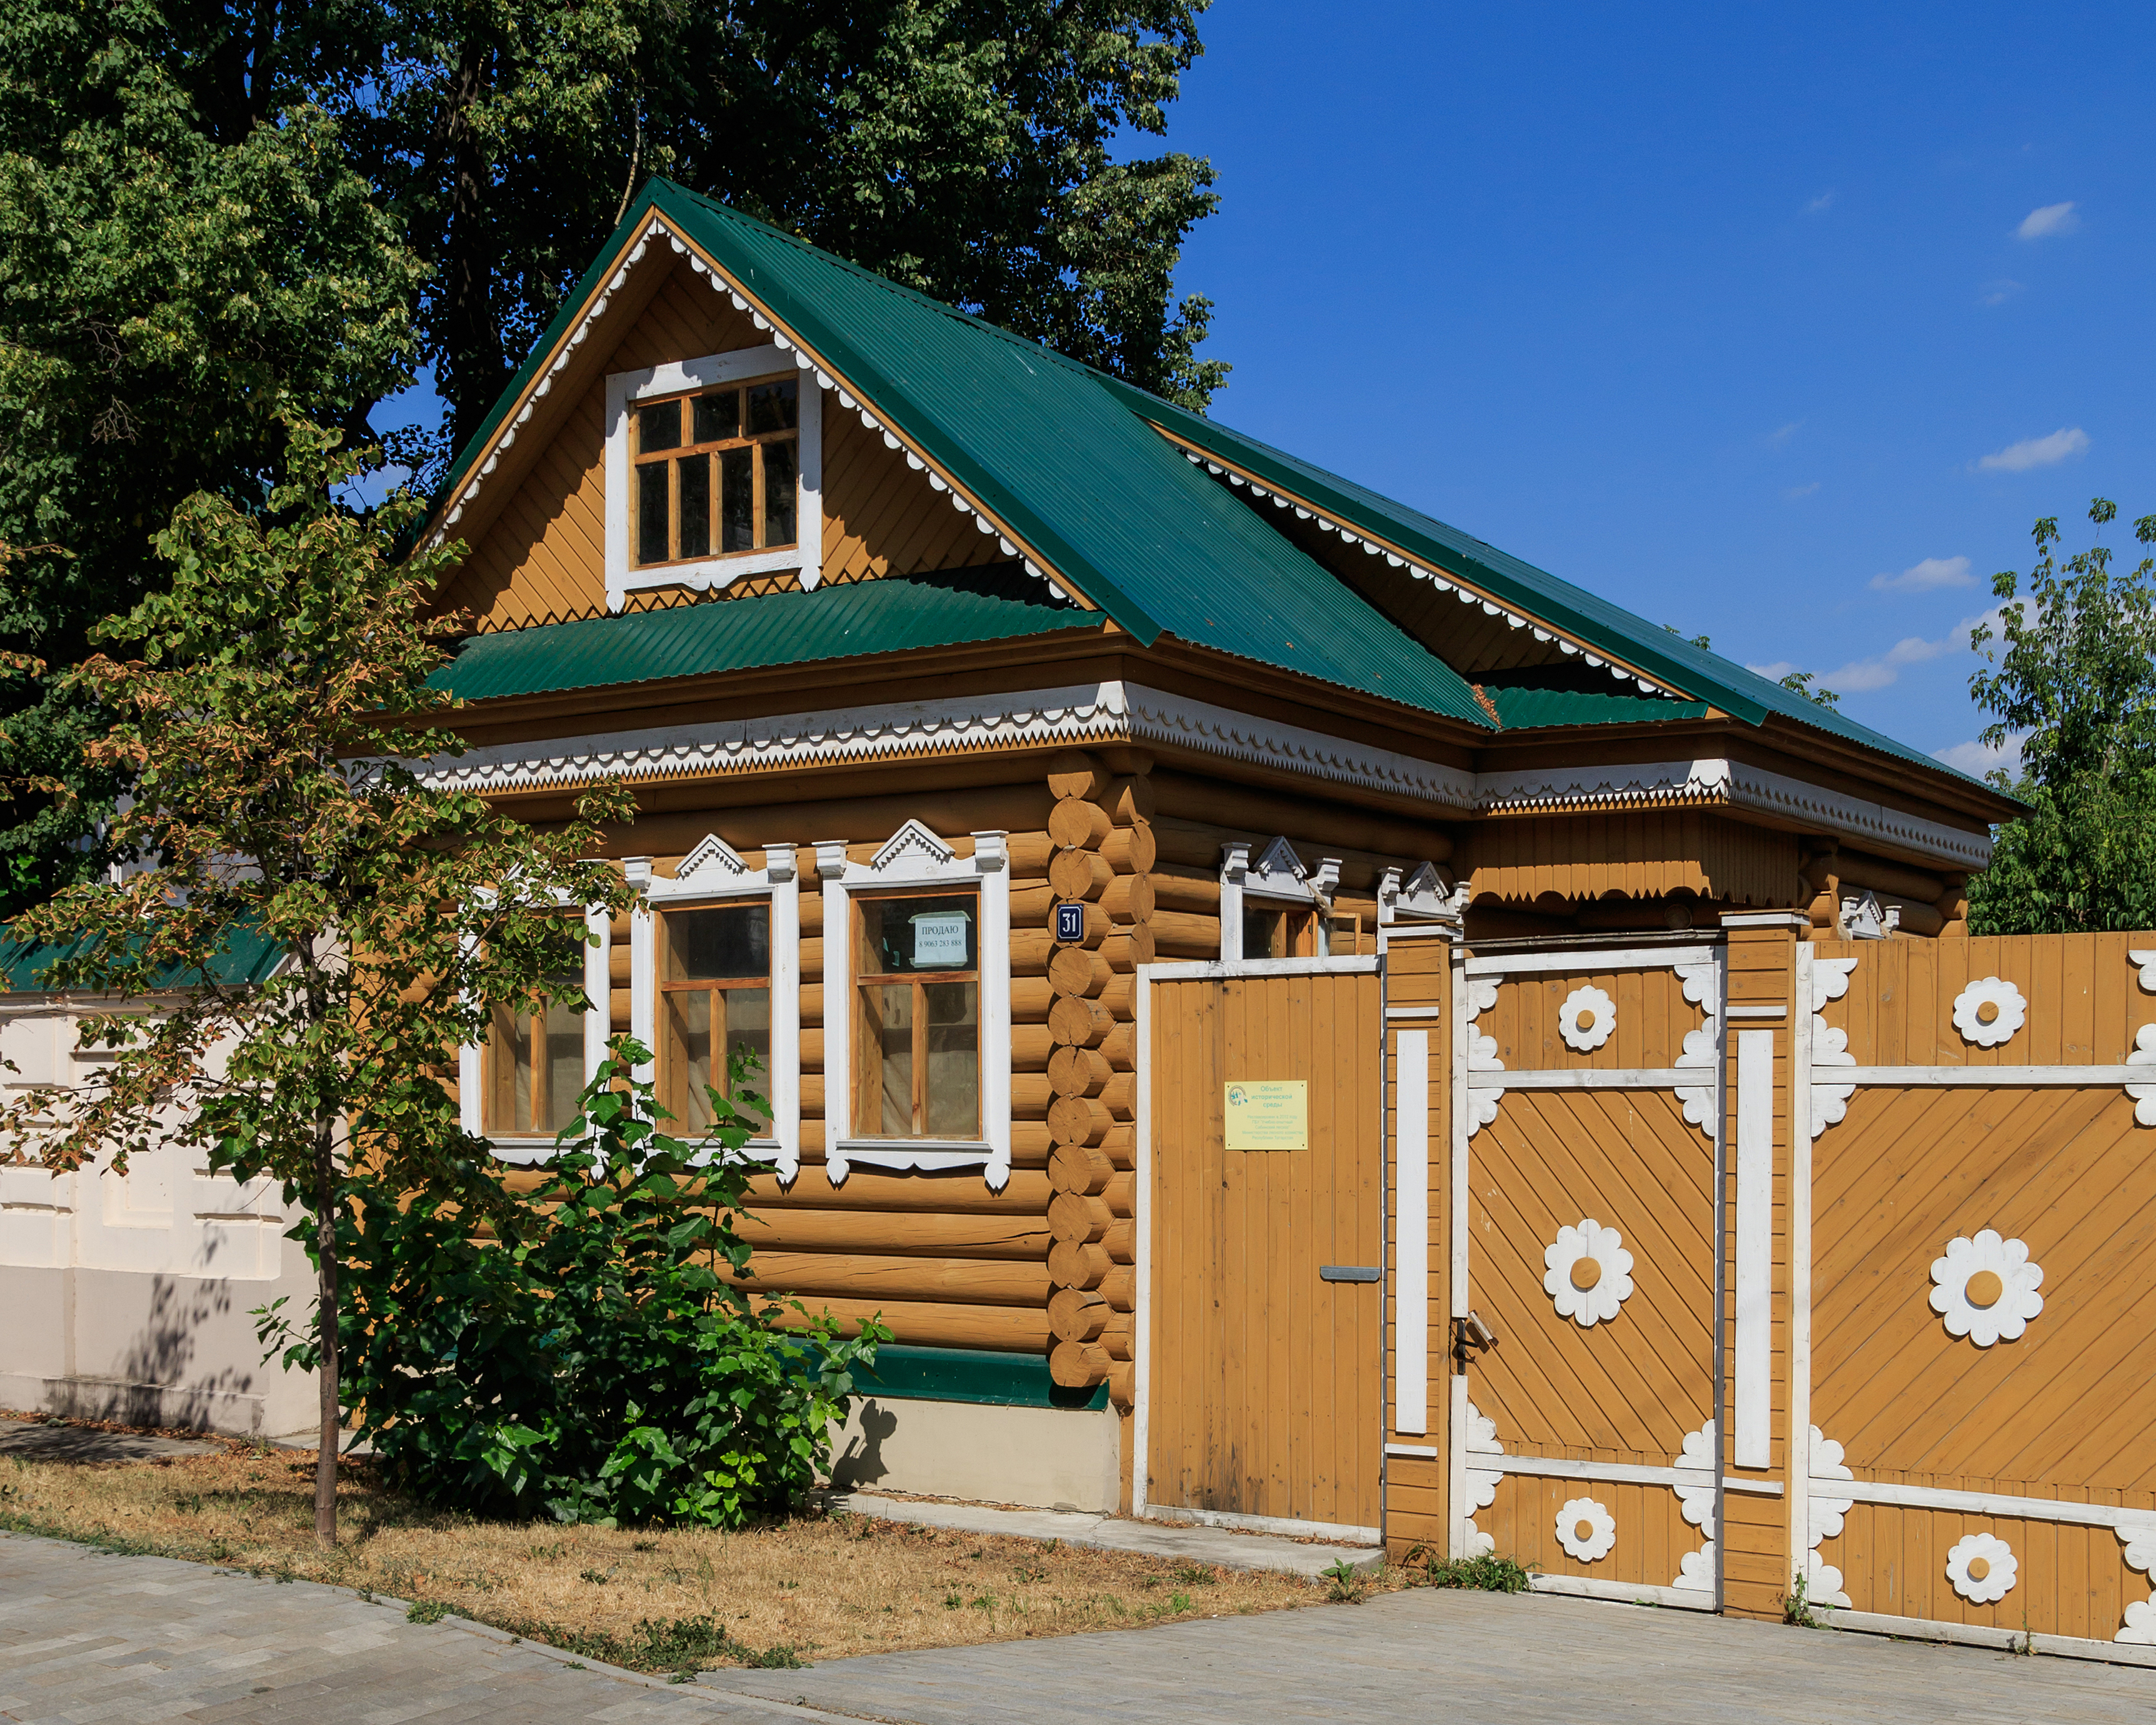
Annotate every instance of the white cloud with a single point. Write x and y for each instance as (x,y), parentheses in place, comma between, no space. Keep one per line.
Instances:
(1860,675)
(2037,451)
(1775,439)
(1922,578)
(1790,494)
(1779,669)
(1823,203)
(2052,218)
(1997,293)
(1976,760)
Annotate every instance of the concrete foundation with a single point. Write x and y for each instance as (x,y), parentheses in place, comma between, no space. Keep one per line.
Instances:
(1050,1458)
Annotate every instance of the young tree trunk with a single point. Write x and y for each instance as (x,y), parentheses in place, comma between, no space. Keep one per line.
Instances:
(325,1322)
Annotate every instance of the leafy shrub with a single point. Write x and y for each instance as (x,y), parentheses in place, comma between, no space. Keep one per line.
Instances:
(587,1362)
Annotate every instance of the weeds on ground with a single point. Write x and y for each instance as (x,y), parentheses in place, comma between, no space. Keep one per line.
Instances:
(1344,1585)
(1488,1573)
(1798,1610)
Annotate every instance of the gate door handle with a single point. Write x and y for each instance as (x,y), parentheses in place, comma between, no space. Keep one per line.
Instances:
(1349,1272)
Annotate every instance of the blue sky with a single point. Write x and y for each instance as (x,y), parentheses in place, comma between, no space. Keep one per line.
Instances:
(1780,324)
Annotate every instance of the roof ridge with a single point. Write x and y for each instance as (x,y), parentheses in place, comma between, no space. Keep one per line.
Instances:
(927,302)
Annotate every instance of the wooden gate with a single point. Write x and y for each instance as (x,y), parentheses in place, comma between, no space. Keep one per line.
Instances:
(1972,1347)
(1261,1309)
(1589,1126)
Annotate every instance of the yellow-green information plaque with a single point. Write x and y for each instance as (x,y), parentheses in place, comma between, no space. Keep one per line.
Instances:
(1273,1116)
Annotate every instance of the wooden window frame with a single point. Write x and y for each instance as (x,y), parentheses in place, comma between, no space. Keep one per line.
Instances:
(627,391)
(532,1026)
(721,1075)
(919,981)
(755,441)
(475,1062)
(914,861)
(715,874)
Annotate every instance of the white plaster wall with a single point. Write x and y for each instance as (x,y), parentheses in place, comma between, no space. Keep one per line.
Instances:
(130,1296)
(1045,1458)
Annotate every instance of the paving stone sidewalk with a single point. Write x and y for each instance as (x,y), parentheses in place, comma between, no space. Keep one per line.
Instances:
(86,1636)
(1526,1661)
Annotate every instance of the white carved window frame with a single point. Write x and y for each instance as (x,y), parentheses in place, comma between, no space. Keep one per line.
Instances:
(624,389)
(913,857)
(1419,897)
(1277,877)
(714,873)
(471,1060)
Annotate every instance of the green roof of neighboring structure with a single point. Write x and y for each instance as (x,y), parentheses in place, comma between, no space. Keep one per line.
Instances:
(246,957)
(887,616)
(1065,456)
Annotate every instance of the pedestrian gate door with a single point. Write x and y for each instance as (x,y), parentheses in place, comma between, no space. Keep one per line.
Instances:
(1263,1235)
(1592,1118)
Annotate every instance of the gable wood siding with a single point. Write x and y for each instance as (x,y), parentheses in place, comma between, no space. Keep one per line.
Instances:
(543,558)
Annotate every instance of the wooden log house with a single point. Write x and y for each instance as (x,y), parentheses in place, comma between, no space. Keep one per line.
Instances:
(914,640)
(1297,1018)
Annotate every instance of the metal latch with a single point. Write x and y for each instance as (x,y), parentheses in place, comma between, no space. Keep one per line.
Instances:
(1349,1272)
(1471,1336)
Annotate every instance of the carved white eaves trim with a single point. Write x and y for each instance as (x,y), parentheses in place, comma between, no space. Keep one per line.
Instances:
(1133,713)
(1424,571)
(808,364)
(1732,784)
(1023,719)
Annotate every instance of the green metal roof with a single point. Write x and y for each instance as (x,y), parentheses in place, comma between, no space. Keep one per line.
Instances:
(846,622)
(1722,682)
(246,957)
(1527,707)
(1066,458)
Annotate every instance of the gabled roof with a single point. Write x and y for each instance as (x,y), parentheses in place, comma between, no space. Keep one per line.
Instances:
(1073,468)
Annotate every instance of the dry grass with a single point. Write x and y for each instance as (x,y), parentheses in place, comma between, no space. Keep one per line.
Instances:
(808,1589)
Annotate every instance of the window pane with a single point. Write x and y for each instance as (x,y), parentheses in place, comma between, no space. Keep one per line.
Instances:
(737,500)
(693,489)
(748,1025)
(954,1058)
(687,1068)
(901,937)
(509,1074)
(565,1066)
(780,498)
(1265,934)
(658,428)
(651,512)
(774,407)
(725,941)
(717,417)
(885,1091)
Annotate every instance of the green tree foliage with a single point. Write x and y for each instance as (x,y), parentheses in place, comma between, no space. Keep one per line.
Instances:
(185,252)
(274,685)
(1803,683)
(213,210)
(966,149)
(2074,678)
(589,1361)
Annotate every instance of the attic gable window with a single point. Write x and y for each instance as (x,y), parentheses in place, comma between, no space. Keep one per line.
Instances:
(714,470)
(718,471)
